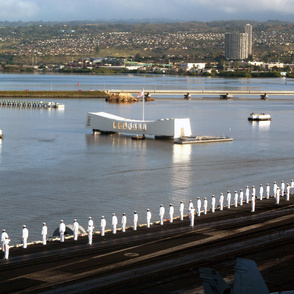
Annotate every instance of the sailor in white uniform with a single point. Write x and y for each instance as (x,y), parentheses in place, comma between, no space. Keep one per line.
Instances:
(25,235)
(212,204)
(275,189)
(75,228)
(161,213)
(253,191)
(252,203)
(103,225)
(221,201)
(247,194)
(292,187)
(288,192)
(241,197)
(4,235)
(198,206)
(90,222)
(236,198)
(229,196)
(278,195)
(260,192)
(268,190)
(282,188)
(171,213)
(6,247)
(181,210)
(205,205)
(114,223)
(135,220)
(148,217)
(61,231)
(44,234)
(190,205)
(123,222)
(192,216)
(90,234)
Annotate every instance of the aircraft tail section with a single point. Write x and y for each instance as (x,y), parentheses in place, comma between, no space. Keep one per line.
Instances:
(213,283)
(248,279)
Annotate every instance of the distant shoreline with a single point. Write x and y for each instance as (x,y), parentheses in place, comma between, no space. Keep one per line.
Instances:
(37,94)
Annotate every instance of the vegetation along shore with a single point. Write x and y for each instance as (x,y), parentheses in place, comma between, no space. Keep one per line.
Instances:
(53,94)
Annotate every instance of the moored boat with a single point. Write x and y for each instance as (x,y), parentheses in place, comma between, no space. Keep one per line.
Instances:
(59,105)
(139,137)
(259,116)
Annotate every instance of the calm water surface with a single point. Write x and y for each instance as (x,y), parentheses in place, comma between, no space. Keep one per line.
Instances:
(53,168)
(133,81)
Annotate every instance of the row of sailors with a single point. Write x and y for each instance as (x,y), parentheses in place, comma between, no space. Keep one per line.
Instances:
(25,234)
(284,190)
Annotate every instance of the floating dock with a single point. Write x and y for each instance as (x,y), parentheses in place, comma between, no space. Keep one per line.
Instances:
(31,104)
(202,139)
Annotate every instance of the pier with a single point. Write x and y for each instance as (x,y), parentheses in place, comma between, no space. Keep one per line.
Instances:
(222,94)
(161,259)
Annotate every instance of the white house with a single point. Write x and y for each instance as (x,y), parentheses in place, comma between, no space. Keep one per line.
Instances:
(196,66)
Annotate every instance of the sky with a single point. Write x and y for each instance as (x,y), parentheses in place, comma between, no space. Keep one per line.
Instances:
(175,10)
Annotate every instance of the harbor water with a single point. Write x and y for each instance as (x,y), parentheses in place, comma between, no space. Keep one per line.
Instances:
(52,167)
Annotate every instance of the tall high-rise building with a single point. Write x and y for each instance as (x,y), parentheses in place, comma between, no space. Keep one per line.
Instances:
(236,46)
(239,45)
(248,30)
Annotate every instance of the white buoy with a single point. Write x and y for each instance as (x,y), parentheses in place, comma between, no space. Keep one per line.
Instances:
(1,134)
